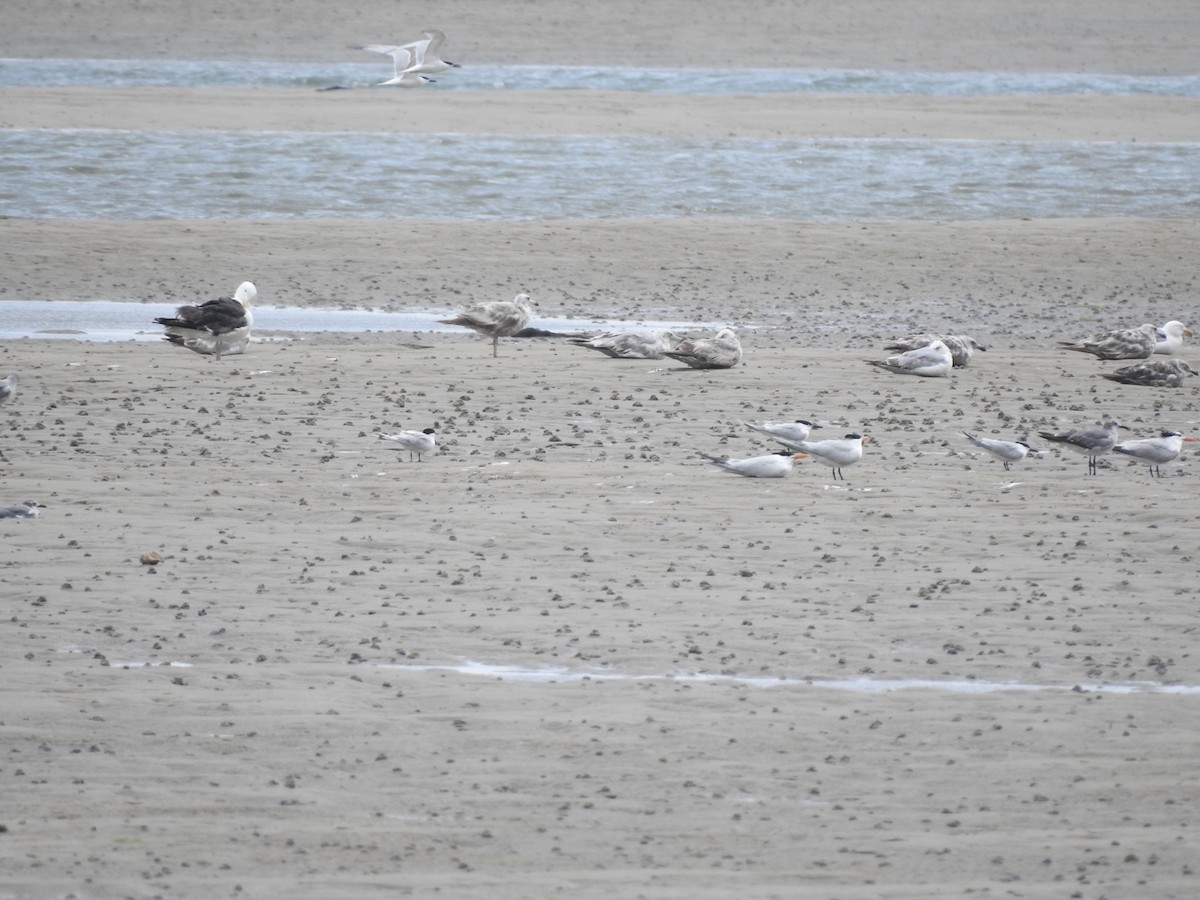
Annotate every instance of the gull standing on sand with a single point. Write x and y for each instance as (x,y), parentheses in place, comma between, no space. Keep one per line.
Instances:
(786,433)
(630,344)
(1155,451)
(773,465)
(8,388)
(496,319)
(835,453)
(1156,373)
(931,361)
(961,346)
(216,328)
(1091,442)
(30,509)
(1008,452)
(1126,343)
(1169,338)
(724,351)
(417,442)
(406,72)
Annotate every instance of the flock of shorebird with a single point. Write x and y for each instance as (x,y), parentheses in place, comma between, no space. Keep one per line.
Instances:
(222,327)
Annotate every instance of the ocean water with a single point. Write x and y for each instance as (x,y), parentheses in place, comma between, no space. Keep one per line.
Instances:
(148,175)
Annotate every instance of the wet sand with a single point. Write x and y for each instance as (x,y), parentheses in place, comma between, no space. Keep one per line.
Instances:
(935,678)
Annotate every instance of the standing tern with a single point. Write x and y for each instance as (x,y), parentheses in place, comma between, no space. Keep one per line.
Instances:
(1091,442)
(417,442)
(836,452)
(1008,452)
(787,433)
(1155,451)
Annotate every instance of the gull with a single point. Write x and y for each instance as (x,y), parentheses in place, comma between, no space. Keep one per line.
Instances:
(961,346)
(30,509)
(724,351)
(1008,452)
(1091,442)
(1126,343)
(630,344)
(406,72)
(835,453)
(417,442)
(1158,373)
(496,319)
(1169,338)
(931,361)
(216,328)
(773,465)
(8,388)
(1155,451)
(787,433)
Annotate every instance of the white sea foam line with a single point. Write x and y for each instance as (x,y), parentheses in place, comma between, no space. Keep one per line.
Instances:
(548,674)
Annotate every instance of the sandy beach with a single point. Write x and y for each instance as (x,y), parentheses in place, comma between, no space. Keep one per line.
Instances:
(563,655)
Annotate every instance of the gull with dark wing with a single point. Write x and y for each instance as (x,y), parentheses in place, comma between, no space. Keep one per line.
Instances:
(8,388)
(1153,373)
(216,328)
(930,361)
(724,351)
(1091,442)
(773,465)
(1155,451)
(630,344)
(787,433)
(1126,343)
(835,453)
(497,318)
(961,346)
(1169,338)
(1008,452)
(417,442)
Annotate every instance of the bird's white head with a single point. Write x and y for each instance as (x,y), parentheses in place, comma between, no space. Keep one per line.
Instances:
(245,293)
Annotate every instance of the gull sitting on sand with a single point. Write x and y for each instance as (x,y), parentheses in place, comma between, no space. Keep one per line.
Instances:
(216,328)
(1125,343)
(1155,451)
(931,361)
(496,319)
(8,388)
(630,344)
(787,433)
(835,453)
(417,442)
(724,351)
(961,346)
(30,509)
(1008,452)
(1091,442)
(1155,373)
(773,465)
(1169,338)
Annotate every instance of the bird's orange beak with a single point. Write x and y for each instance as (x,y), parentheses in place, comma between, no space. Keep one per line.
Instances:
(805,455)
(1192,440)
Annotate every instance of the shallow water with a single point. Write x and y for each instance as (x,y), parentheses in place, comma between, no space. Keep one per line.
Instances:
(374,68)
(146,175)
(102,320)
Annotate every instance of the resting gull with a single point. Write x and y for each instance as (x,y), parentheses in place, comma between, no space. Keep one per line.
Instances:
(216,328)
(1156,373)
(1091,442)
(30,509)
(497,318)
(961,346)
(8,388)
(773,465)
(930,361)
(1155,451)
(630,344)
(417,442)
(724,351)
(1126,343)
(1169,338)
(1008,452)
